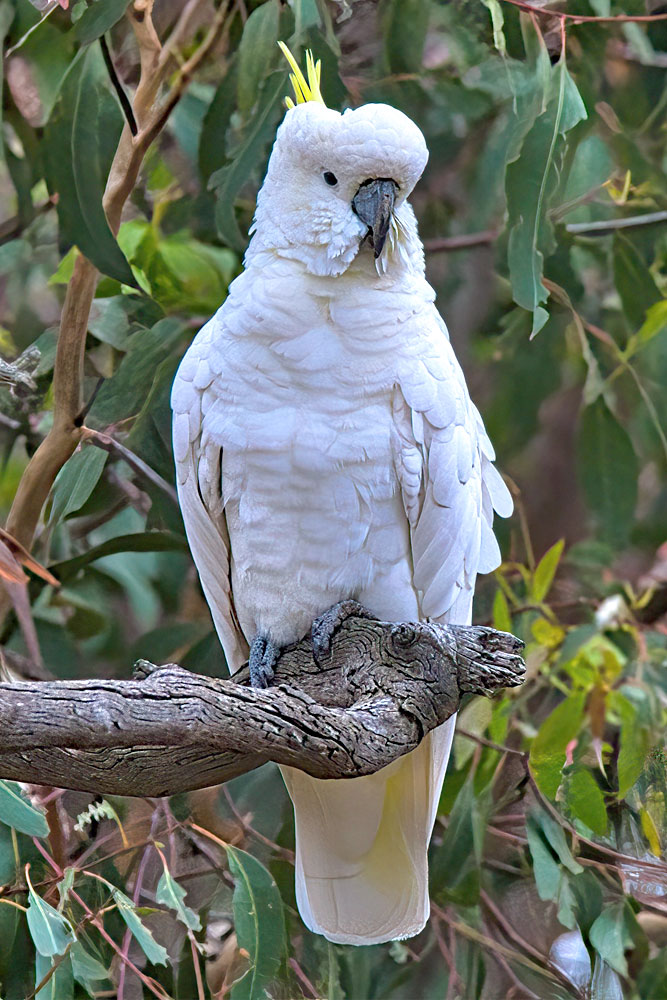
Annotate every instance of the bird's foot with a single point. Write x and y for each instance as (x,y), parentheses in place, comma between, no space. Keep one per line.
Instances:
(325,627)
(264,655)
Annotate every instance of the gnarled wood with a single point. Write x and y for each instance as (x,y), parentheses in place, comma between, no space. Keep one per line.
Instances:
(376,694)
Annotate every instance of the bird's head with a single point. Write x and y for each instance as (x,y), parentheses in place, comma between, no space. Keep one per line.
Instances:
(337,183)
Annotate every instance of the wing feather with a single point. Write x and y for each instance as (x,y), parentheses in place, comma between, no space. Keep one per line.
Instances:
(451,495)
(199,482)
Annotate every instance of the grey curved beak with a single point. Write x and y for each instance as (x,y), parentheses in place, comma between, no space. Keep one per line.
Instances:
(374,203)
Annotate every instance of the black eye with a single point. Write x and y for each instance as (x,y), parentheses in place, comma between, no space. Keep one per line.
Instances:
(330,178)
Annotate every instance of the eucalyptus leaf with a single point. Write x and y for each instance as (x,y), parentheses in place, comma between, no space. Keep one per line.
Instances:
(154,952)
(98,18)
(79,143)
(228,180)
(17,812)
(51,932)
(259,923)
(608,467)
(257,52)
(171,894)
(76,481)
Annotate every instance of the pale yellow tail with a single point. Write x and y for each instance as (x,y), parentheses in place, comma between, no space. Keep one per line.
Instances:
(361,845)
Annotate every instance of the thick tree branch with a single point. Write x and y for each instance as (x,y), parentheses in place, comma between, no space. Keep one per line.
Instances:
(371,700)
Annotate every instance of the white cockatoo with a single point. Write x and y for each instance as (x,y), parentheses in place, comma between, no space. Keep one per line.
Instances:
(326,450)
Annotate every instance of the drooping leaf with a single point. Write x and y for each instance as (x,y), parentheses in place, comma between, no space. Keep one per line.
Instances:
(213,136)
(124,394)
(228,181)
(257,51)
(79,143)
(76,481)
(50,931)
(259,923)
(405,24)
(610,936)
(608,467)
(60,986)
(454,871)
(586,801)
(634,281)
(154,952)
(17,812)
(531,181)
(547,752)
(171,894)
(86,969)
(635,745)
(98,18)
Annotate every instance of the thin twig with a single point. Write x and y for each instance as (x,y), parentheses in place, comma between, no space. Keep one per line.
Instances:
(111,445)
(248,829)
(462,242)
(609,225)
(488,743)
(584,18)
(303,979)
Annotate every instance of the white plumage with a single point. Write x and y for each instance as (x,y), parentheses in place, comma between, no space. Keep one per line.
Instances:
(326,449)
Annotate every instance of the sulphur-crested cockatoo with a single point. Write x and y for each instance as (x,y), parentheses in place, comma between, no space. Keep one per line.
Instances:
(327,449)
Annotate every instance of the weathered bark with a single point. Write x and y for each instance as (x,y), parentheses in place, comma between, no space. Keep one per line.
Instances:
(376,694)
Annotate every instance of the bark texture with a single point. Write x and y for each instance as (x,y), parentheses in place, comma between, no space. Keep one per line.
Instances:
(370,699)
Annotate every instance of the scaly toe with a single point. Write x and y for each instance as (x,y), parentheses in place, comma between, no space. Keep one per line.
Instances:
(264,655)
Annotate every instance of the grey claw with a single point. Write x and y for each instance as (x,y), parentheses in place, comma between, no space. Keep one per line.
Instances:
(325,627)
(264,655)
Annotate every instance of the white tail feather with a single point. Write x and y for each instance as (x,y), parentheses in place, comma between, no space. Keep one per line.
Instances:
(361,845)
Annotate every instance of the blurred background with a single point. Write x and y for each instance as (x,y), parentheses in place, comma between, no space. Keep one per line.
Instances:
(543,210)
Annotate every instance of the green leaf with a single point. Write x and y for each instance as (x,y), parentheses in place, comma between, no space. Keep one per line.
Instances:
(17,812)
(608,468)
(50,931)
(153,951)
(405,24)
(502,619)
(79,144)
(139,541)
(86,969)
(610,936)
(497,23)
(259,923)
(545,571)
(547,752)
(546,869)
(228,181)
(531,182)
(635,745)
(171,894)
(556,838)
(655,322)
(213,136)
(585,800)
(76,481)
(123,395)
(60,986)
(634,282)
(454,870)
(257,52)
(98,18)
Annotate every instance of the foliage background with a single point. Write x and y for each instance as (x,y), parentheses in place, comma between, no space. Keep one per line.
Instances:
(548,144)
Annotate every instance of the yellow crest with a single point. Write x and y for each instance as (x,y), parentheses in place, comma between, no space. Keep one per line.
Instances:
(304,89)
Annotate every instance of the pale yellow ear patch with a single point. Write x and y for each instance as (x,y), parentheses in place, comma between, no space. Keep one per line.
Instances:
(306,88)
